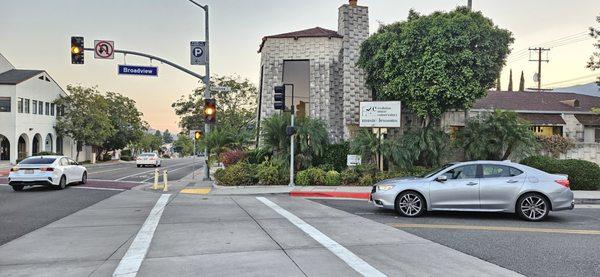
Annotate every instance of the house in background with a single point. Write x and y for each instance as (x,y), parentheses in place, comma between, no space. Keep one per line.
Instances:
(28,115)
(550,113)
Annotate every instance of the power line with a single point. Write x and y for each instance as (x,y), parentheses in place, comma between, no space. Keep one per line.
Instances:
(572,79)
(539,60)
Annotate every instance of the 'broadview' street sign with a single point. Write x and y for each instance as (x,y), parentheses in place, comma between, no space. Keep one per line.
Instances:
(138,70)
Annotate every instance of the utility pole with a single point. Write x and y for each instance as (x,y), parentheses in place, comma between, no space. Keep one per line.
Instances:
(206,80)
(539,60)
(470,4)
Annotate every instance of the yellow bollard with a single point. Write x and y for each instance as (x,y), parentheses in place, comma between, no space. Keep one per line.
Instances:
(165,179)
(155,186)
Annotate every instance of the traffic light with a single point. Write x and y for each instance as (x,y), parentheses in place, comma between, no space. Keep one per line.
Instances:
(210,111)
(198,135)
(77,50)
(279,97)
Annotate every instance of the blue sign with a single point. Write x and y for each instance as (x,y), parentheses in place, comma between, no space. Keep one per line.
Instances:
(138,70)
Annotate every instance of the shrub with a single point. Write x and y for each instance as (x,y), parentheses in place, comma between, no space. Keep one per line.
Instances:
(126,152)
(311,176)
(350,176)
(333,178)
(126,158)
(555,145)
(366,180)
(271,174)
(326,167)
(106,157)
(239,174)
(231,157)
(334,155)
(165,156)
(257,155)
(583,175)
(418,171)
(364,169)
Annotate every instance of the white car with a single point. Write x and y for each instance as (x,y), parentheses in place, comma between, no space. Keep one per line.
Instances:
(148,159)
(56,171)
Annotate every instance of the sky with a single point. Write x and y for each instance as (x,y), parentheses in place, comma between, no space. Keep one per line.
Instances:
(35,34)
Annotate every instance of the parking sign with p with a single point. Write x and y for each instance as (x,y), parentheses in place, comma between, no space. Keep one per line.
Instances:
(197,54)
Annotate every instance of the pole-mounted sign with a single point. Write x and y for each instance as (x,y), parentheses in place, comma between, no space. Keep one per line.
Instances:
(104,49)
(198,52)
(138,70)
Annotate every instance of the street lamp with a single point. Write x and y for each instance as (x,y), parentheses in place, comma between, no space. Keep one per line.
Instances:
(206,83)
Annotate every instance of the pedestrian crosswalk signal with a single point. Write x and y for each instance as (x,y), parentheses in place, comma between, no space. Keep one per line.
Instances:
(279,98)
(77,50)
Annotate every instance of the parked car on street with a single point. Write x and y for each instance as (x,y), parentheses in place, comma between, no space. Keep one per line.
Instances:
(151,159)
(482,186)
(56,171)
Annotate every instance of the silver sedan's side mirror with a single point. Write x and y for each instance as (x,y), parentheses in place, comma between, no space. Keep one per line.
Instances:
(441,178)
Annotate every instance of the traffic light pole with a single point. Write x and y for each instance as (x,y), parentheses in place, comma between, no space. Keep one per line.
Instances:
(292,138)
(206,84)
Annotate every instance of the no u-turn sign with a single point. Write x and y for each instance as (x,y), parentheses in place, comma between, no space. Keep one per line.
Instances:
(104,49)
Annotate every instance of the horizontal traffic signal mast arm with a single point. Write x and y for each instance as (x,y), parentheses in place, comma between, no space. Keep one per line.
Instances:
(202,78)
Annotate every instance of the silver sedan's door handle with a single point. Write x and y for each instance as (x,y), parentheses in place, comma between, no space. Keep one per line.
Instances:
(512,181)
(471,183)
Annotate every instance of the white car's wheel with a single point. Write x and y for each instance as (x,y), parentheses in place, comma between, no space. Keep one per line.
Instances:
(62,183)
(83,178)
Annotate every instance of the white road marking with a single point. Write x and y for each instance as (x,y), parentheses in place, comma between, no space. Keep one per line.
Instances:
(141,173)
(131,262)
(109,170)
(98,188)
(344,254)
(170,171)
(111,181)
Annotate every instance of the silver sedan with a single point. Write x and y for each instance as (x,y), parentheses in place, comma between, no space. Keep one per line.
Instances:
(482,186)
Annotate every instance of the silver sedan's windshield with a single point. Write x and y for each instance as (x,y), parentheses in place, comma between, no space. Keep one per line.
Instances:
(436,171)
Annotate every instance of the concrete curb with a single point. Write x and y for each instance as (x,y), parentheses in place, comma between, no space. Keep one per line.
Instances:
(331,194)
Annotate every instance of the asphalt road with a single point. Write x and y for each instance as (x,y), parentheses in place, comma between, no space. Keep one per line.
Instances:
(532,249)
(26,211)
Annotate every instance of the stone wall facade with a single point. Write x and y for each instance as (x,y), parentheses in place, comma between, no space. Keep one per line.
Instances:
(323,56)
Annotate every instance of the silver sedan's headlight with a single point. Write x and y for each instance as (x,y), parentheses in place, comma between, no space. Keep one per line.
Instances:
(385,187)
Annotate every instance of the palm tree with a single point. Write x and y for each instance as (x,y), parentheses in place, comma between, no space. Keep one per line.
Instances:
(273,133)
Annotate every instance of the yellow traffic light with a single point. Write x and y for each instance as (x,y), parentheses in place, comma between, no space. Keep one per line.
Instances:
(75,50)
(197,135)
(209,111)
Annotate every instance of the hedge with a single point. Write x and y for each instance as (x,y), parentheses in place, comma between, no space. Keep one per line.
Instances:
(271,174)
(334,156)
(583,175)
(239,174)
(311,177)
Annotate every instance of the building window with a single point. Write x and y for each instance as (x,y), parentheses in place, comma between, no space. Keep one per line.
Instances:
(26,105)
(20,105)
(34,108)
(47,108)
(52,106)
(41,107)
(5,104)
(547,131)
(297,72)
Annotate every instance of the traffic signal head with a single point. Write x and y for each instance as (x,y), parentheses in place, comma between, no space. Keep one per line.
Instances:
(77,50)
(210,111)
(279,97)
(198,135)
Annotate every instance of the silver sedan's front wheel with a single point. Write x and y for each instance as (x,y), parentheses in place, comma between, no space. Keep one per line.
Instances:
(410,204)
(533,207)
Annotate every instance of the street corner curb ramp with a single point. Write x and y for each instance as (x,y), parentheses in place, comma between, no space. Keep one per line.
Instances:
(331,194)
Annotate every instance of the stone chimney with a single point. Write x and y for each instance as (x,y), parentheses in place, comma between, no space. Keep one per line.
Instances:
(353,25)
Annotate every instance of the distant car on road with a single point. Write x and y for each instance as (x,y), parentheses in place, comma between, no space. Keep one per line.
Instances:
(56,171)
(481,186)
(148,159)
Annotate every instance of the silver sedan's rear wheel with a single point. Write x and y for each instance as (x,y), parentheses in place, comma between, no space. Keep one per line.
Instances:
(410,204)
(533,207)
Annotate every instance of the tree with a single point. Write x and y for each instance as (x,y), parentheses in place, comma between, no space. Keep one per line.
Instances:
(498,84)
(126,121)
(497,136)
(594,62)
(149,143)
(236,109)
(522,82)
(435,63)
(84,117)
(510,85)
(167,137)
(184,145)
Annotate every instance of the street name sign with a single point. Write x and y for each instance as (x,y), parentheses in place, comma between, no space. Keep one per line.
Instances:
(138,70)
(197,52)
(221,89)
(104,49)
(380,114)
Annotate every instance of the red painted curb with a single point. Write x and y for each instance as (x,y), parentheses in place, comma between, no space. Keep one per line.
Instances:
(332,194)
(3,173)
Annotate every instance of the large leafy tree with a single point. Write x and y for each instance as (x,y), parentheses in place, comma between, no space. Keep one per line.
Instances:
(235,109)
(126,121)
(497,136)
(184,145)
(437,62)
(594,62)
(84,117)
(167,137)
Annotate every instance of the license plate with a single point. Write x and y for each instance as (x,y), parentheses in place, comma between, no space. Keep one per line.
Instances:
(29,171)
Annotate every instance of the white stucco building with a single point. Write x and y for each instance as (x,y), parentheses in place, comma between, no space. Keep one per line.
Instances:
(28,115)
